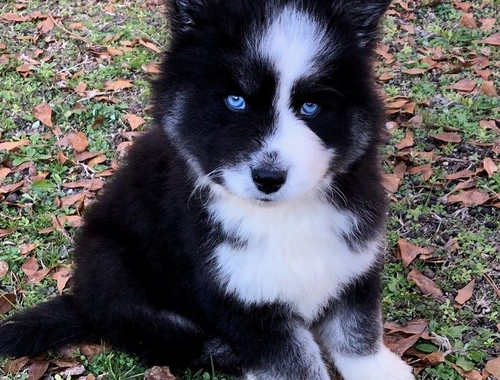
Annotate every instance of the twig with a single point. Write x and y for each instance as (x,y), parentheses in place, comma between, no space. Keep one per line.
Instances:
(492,283)
(72,35)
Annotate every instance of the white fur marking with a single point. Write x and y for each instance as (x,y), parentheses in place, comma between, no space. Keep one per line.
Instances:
(384,365)
(295,252)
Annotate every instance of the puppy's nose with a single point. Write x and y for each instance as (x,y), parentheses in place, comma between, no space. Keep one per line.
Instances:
(268,180)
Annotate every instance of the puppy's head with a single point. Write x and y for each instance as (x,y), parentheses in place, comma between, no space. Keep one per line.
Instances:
(270,99)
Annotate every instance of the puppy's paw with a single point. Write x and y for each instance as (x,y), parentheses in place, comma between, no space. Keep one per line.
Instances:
(384,365)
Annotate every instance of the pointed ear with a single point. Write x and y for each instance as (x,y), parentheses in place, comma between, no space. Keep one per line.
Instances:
(184,14)
(365,15)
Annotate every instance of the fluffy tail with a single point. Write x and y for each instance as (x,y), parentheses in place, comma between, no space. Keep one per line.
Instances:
(48,326)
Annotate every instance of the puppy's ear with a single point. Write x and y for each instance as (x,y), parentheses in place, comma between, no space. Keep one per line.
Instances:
(184,14)
(365,16)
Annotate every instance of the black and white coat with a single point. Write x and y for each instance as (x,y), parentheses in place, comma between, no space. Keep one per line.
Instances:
(249,236)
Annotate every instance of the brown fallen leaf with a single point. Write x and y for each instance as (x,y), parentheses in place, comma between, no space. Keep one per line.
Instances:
(466,173)
(488,89)
(399,345)
(149,45)
(464,6)
(390,182)
(32,271)
(465,293)
(78,141)
(46,25)
(6,232)
(13,17)
(447,137)
(468,21)
(74,221)
(406,142)
(14,366)
(493,367)
(4,172)
(37,369)
(26,248)
(90,184)
(432,359)
(7,302)
(488,23)
(494,40)
(4,268)
(425,284)
(11,145)
(62,277)
(153,68)
(410,251)
(467,375)
(417,326)
(414,71)
(465,85)
(490,167)
(90,349)
(119,84)
(134,121)
(43,112)
(159,373)
(72,371)
(469,198)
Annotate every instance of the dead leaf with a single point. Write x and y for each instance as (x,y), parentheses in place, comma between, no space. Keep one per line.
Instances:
(90,184)
(488,23)
(43,112)
(134,121)
(61,158)
(74,221)
(417,326)
(46,25)
(390,182)
(488,88)
(469,198)
(494,40)
(13,17)
(119,84)
(73,371)
(159,373)
(154,68)
(447,137)
(410,251)
(62,277)
(432,359)
(490,167)
(11,145)
(493,367)
(416,121)
(399,345)
(489,124)
(406,142)
(26,248)
(425,284)
(467,375)
(14,366)
(7,232)
(78,141)
(30,268)
(465,85)
(97,160)
(114,52)
(4,172)
(415,71)
(465,293)
(468,21)
(149,45)
(7,302)
(461,174)
(464,6)
(37,369)
(90,350)
(4,268)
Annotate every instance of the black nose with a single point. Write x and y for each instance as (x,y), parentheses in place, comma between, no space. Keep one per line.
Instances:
(268,181)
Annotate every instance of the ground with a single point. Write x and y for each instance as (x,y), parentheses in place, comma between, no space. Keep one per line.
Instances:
(74,89)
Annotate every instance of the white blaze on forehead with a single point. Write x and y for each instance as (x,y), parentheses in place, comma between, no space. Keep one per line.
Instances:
(292,43)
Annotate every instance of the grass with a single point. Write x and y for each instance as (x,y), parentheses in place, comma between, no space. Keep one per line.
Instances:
(77,51)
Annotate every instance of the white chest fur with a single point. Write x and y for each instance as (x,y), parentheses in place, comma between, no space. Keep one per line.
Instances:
(294,253)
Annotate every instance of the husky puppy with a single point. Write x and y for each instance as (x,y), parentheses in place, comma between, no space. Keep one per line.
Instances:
(247,226)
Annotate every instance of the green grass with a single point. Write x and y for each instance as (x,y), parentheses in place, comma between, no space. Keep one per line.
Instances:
(468,334)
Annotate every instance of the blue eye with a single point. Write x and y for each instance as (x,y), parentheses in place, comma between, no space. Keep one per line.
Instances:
(309,109)
(236,103)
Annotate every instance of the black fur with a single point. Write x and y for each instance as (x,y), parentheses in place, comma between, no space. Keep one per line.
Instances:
(144,280)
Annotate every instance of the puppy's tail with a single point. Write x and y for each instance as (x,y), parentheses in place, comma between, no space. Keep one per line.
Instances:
(48,326)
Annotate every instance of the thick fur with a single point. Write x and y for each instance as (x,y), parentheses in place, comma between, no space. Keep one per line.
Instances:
(184,259)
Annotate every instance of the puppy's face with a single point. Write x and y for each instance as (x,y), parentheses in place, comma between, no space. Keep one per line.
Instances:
(268,100)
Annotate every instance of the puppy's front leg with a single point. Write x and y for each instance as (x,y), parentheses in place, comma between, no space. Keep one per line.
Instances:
(351,332)
(294,355)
